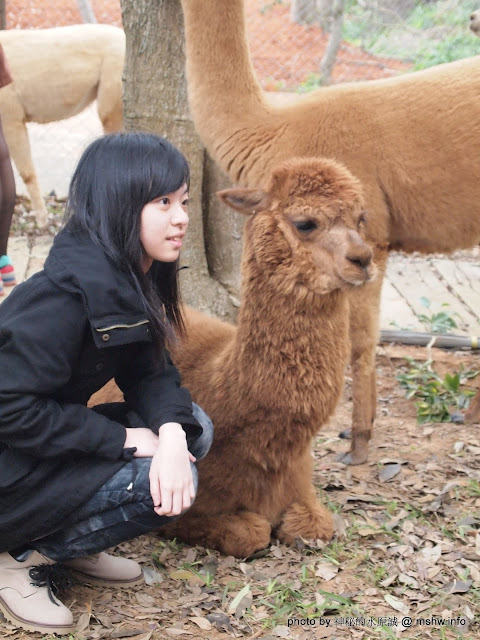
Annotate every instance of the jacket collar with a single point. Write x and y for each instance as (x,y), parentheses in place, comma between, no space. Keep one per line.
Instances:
(81,267)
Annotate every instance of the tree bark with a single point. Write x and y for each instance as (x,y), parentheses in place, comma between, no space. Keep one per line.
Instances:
(330,55)
(303,11)
(155,100)
(86,12)
(3,15)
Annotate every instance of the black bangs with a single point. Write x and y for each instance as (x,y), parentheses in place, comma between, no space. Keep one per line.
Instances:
(168,172)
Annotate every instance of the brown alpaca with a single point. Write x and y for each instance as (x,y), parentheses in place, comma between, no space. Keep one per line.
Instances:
(411,140)
(270,383)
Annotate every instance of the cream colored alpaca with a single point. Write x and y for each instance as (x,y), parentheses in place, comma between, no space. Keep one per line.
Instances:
(270,383)
(413,141)
(56,74)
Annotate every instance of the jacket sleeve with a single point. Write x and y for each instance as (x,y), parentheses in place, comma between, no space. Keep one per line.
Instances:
(42,329)
(152,388)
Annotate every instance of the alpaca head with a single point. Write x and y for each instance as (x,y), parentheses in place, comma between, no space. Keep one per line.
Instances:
(306,229)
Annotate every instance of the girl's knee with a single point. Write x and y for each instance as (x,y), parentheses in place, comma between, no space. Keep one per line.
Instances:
(201,445)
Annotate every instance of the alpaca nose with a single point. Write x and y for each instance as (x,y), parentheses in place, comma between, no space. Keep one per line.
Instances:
(360,256)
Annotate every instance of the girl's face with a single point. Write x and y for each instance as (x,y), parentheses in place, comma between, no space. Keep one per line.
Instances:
(163,224)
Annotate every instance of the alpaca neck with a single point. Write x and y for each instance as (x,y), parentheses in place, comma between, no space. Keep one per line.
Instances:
(289,354)
(224,95)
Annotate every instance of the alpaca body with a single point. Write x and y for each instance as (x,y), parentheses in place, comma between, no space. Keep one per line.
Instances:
(56,74)
(411,140)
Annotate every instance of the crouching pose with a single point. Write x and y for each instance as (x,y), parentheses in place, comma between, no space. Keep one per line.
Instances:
(74,480)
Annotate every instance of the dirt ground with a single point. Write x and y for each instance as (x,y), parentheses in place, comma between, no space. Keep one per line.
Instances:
(407,546)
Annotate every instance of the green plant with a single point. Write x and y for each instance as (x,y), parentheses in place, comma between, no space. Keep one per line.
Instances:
(440,322)
(436,396)
(284,601)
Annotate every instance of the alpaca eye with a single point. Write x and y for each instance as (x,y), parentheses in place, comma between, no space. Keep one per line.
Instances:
(305,225)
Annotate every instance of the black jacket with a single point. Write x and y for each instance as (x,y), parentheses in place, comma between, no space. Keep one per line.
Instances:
(63,334)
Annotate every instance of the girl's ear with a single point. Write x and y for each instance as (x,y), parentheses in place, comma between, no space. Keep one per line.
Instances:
(247,201)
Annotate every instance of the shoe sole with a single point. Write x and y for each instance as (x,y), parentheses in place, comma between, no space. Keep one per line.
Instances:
(31,626)
(101,582)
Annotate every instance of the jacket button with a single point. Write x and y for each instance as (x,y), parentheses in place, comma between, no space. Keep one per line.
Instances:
(106,337)
(99,366)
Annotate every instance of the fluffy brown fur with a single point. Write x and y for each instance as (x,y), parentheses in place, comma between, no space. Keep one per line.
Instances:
(411,140)
(270,383)
(56,74)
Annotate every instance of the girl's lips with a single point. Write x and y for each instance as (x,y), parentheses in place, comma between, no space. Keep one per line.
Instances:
(177,242)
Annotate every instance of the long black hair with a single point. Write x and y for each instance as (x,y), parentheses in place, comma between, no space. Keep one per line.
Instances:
(117,175)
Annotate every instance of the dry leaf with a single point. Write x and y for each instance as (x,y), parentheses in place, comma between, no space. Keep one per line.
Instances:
(152,576)
(83,622)
(203,623)
(395,603)
(389,471)
(326,570)
(457,586)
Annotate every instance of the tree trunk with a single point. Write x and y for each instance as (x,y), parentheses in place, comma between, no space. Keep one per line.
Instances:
(86,11)
(3,15)
(155,99)
(334,42)
(303,11)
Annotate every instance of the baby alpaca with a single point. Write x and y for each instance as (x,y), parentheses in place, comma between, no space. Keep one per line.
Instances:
(270,383)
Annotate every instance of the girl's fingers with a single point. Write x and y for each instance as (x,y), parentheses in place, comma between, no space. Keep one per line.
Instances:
(191,457)
(155,490)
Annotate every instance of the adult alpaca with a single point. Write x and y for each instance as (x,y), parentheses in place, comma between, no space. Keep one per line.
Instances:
(411,140)
(56,74)
(270,383)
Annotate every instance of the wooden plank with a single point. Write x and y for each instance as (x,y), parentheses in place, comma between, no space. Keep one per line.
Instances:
(464,278)
(395,311)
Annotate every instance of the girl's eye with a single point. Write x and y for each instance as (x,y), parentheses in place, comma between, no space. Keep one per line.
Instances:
(305,225)
(164,201)
(185,203)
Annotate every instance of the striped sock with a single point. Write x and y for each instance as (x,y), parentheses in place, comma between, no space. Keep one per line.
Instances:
(7,272)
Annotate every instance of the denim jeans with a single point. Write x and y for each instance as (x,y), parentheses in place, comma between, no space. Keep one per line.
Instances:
(120,510)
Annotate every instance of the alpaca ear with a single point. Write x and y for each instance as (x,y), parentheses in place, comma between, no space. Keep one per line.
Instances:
(247,201)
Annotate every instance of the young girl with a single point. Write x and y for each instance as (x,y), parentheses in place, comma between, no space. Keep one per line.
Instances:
(73,480)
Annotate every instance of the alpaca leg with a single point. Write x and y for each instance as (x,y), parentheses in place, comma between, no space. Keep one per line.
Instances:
(364,337)
(308,519)
(109,98)
(236,534)
(16,136)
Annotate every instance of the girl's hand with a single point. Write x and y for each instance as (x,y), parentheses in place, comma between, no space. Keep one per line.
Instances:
(171,481)
(145,441)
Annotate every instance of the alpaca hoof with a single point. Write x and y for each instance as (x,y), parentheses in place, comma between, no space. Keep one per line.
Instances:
(351,458)
(346,434)
(457,417)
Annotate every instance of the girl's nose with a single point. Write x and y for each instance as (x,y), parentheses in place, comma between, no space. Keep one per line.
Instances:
(180,216)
